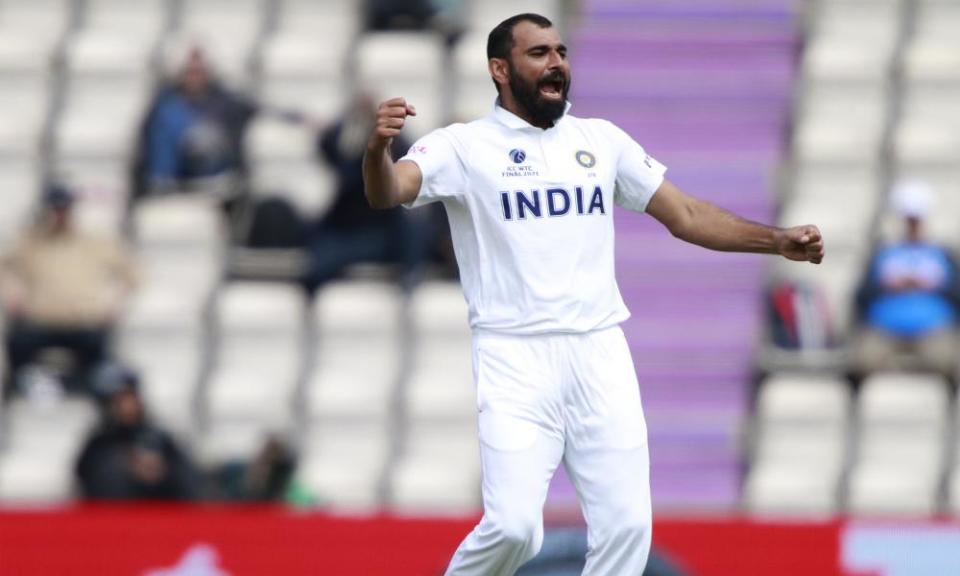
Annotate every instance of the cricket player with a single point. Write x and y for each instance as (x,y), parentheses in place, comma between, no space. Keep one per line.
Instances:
(529,191)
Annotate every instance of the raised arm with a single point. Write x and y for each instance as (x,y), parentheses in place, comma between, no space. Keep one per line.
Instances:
(706,225)
(386,183)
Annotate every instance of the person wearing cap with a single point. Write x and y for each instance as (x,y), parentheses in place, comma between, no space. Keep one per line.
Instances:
(62,288)
(909,298)
(128,457)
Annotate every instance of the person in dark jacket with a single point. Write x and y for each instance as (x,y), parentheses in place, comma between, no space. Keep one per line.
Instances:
(127,457)
(352,232)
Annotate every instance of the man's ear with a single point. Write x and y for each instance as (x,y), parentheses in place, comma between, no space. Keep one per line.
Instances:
(499,70)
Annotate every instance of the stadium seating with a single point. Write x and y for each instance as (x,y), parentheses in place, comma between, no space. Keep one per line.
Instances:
(147,19)
(46,20)
(334,21)
(219,367)
(179,242)
(438,471)
(903,427)
(886,490)
(438,465)
(107,84)
(488,13)
(285,163)
(343,463)
(357,323)
(227,31)
(815,194)
(257,366)
(439,387)
(25,82)
(304,71)
(953,492)
(877,99)
(475,93)
(351,410)
(791,490)
(42,438)
(164,341)
(802,429)
(383,69)
(837,276)
(26,78)
(841,123)
(21,181)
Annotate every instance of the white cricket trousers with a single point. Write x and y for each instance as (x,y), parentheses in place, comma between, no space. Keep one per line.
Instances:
(546,399)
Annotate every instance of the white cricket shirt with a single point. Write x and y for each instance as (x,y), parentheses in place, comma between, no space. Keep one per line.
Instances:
(531,216)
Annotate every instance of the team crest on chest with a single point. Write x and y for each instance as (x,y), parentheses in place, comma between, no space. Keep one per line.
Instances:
(586,159)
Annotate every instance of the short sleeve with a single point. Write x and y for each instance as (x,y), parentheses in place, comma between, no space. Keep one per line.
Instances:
(442,166)
(639,175)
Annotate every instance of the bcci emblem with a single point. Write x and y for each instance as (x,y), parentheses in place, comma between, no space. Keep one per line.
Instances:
(586,159)
(518,155)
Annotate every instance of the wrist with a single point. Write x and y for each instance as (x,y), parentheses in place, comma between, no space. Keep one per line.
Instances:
(779,240)
(377,145)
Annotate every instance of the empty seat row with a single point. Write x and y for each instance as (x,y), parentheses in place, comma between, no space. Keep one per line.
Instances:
(886,453)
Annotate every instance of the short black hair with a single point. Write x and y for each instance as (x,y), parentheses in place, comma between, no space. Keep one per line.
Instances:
(500,40)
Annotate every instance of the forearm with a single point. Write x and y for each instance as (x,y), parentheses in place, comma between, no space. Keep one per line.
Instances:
(713,227)
(380,183)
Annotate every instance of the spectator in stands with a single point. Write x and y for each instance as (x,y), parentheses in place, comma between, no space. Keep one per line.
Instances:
(263,479)
(62,288)
(194,130)
(127,457)
(351,231)
(443,16)
(909,298)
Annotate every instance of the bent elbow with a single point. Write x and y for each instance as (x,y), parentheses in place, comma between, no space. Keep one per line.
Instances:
(684,227)
(380,203)
(680,231)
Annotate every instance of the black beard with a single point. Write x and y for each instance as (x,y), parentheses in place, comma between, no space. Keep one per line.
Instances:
(527,96)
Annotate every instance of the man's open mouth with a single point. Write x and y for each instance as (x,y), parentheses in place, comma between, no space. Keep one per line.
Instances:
(552,89)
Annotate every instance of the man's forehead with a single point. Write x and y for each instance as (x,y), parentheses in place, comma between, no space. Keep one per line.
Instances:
(527,34)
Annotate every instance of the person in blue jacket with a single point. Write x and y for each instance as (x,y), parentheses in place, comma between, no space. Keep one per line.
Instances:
(909,298)
(194,130)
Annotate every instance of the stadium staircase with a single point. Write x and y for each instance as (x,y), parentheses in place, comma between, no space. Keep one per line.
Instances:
(705,87)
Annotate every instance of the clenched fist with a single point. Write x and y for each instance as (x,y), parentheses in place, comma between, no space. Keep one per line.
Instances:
(801,243)
(391,116)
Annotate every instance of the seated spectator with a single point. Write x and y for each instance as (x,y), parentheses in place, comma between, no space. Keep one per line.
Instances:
(194,130)
(127,457)
(908,300)
(62,289)
(351,231)
(263,479)
(445,17)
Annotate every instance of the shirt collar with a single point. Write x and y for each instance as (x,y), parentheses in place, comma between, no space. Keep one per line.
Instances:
(511,120)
